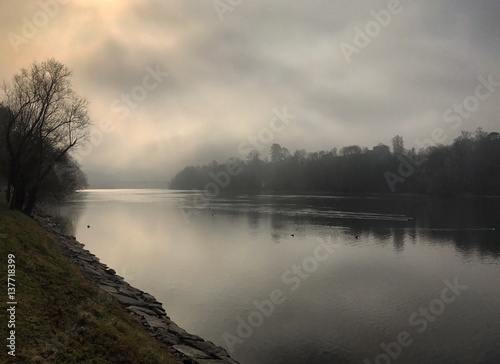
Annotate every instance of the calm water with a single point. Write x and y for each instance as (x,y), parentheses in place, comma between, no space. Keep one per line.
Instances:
(348,275)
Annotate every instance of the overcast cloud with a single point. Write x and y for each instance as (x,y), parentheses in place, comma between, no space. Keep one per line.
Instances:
(226,76)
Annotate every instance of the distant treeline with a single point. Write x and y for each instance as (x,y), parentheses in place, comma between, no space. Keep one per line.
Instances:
(470,165)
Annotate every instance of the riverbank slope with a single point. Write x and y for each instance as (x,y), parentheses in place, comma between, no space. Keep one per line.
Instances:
(72,308)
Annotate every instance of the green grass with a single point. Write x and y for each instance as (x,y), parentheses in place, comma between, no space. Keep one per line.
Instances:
(60,317)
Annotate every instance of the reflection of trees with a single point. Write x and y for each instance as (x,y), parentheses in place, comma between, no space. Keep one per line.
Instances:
(398,239)
(68,214)
(276,237)
(381,234)
(278,220)
(252,220)
(436,221)
(412,235)
(485,243)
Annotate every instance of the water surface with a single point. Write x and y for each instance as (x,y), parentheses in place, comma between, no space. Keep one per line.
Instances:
(349,274)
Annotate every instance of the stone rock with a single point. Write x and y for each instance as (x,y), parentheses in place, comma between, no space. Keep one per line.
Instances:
(191,352)
(141,311)
(229,360)
(90,270)
(187,336)
(87,258)
(127,292)
(127,301)
(169,338)
(149,297)
(155,322)
(208,346)
(160,312)
(108,289)
(176,329)
(110,271)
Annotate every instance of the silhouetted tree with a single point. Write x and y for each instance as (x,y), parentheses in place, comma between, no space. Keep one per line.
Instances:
(381,150)
(62,181)
(300,156)
(275,153)
(278,153)
(351,149)
(253,155)
(471,164)
(45,120)
(398,145)
(4,160)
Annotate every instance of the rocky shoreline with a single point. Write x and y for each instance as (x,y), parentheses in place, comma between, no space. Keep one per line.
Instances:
(189,348)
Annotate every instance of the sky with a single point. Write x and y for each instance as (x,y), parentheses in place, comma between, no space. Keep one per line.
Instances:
(184,82)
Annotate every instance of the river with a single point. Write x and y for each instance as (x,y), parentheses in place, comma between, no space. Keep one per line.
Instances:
(309,279)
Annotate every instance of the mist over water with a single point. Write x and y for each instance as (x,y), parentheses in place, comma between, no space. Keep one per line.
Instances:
(386,258)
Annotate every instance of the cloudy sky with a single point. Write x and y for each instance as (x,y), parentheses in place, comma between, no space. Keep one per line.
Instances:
(182,82)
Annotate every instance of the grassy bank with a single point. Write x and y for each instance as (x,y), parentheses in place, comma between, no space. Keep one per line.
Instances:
(60,317)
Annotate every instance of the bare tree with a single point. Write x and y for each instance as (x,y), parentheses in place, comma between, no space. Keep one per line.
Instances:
(46,119)
(64,179)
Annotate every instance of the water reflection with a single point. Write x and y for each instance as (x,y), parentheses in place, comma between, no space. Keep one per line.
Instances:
(68,214)
(467,222)
(236,249)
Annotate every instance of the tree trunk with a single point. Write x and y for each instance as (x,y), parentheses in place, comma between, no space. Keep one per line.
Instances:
(28,209)
(8,190)
(12,198)
(18,198)
(11,181)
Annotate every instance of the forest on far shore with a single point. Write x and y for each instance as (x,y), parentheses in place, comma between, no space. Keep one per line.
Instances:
(470,165)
